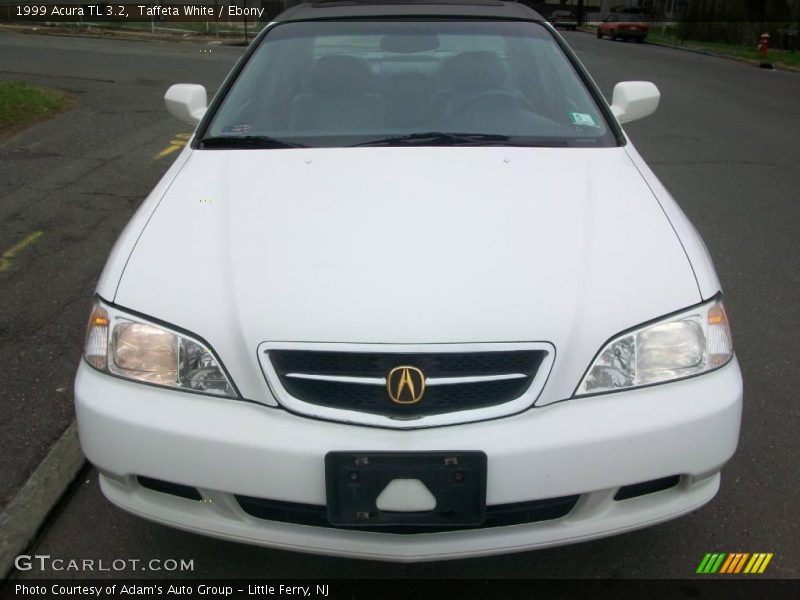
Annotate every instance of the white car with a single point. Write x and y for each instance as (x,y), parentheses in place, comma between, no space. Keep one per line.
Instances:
(409,294)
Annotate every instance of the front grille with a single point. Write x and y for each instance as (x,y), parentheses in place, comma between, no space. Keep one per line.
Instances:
(455,381)
(499,515)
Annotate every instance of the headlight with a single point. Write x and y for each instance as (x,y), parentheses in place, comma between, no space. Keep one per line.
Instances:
(131,347)
(682,345)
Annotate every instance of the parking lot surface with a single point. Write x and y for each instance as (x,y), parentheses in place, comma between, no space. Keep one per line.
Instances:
(724,141)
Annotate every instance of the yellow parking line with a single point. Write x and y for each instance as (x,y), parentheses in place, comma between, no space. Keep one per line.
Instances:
(167,151)
(178,142)
(5,259)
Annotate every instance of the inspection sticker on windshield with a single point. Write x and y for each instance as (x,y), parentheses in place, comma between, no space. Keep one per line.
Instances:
(583,119)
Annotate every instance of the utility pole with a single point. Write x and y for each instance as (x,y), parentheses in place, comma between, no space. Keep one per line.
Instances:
(796,24)
(244,16)
(216,18)
(605,8)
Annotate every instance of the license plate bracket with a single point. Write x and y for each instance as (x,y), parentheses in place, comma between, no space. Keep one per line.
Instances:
(457,480)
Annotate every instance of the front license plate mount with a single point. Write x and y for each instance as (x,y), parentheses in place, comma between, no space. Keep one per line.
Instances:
(457,480)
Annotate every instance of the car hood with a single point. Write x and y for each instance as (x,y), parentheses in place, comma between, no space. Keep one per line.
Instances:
(408,245)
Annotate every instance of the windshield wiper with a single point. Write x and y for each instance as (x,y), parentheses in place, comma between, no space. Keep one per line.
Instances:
(246,141)
(438,138)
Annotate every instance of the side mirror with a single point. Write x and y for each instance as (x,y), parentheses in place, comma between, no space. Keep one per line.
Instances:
(634,100)
(187,102)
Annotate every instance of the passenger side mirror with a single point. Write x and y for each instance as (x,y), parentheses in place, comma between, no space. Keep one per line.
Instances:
(634,100)
(187,102)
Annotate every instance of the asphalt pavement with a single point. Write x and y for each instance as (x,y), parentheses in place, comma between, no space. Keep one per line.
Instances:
(724,142)
(76,180)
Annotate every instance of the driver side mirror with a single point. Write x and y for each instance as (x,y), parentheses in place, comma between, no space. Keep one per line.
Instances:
(634,100)
(187,102)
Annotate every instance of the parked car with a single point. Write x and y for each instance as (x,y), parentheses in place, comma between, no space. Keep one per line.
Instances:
(564,19)
(410,293)
(623,27)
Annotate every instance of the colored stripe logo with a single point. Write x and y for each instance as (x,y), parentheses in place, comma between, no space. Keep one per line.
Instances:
(734,563)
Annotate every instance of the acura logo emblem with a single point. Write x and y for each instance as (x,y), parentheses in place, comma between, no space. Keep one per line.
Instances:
(405,385)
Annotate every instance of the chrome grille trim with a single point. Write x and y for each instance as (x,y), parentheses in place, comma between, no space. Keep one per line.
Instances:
(473,379)
(340,378)
(296,405)
(430,381)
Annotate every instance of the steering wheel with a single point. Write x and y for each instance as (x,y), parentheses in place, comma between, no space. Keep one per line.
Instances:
(517,100)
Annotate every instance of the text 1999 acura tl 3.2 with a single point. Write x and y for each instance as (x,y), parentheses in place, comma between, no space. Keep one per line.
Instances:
(410,293)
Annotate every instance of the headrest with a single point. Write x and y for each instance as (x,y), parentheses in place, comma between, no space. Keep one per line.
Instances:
(475,71)
(340,74)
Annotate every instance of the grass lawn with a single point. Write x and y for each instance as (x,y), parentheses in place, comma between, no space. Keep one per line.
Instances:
(23,104)
(783,57)
(778,57)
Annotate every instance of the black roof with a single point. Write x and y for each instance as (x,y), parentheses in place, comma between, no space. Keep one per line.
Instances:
(359,9)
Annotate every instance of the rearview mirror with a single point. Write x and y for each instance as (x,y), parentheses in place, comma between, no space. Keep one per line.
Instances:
(634,100)
(187,102)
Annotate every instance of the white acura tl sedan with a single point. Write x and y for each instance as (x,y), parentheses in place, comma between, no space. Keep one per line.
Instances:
(409,294)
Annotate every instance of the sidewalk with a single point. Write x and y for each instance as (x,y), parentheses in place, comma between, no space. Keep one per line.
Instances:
(70,184)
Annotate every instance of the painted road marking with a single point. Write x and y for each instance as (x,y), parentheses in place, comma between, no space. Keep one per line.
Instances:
(5,259)
(175,144)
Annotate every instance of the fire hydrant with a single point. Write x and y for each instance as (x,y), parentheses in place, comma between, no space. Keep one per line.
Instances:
(763,50)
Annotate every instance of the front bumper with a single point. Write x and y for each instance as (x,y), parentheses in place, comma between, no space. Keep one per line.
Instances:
(630,34)
(588,446)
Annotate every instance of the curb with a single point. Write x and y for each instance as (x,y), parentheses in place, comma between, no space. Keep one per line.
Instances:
(776,66)
(22,518)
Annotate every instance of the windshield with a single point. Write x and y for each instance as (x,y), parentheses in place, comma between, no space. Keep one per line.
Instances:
(339,83)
